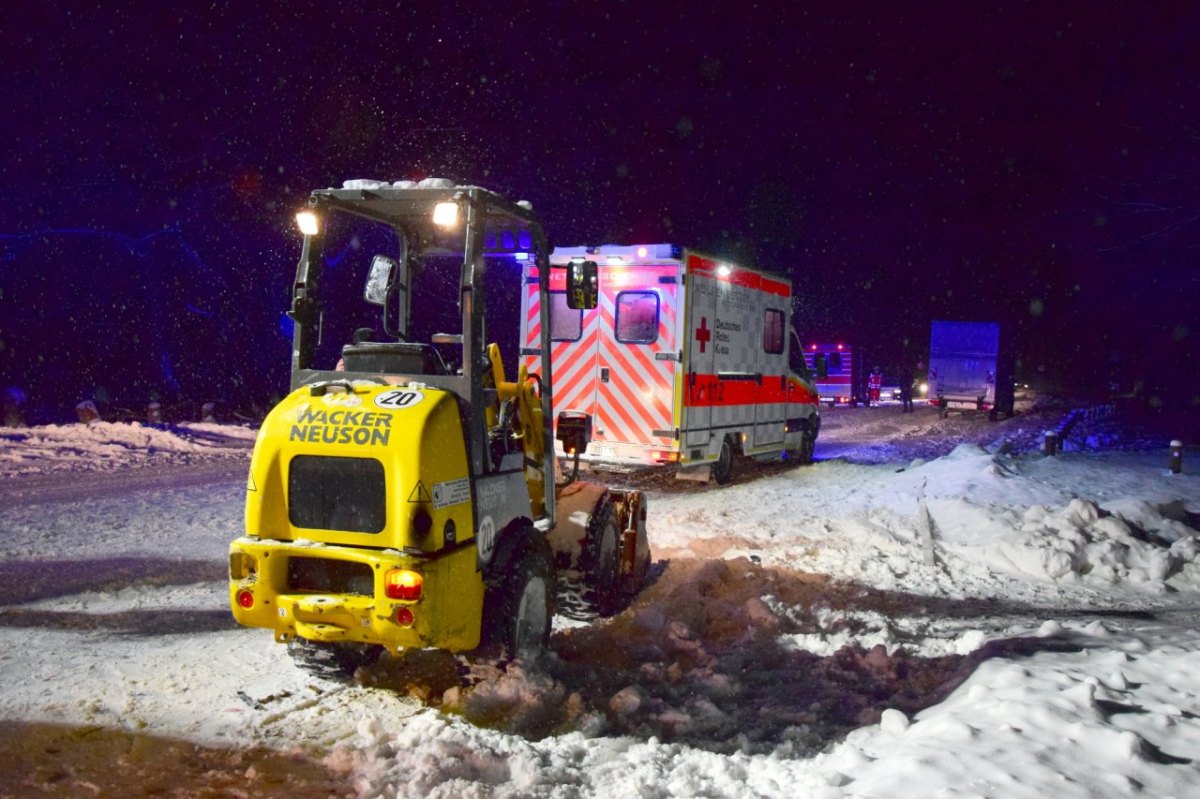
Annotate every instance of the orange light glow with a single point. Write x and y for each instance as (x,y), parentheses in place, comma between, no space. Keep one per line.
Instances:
(403,584)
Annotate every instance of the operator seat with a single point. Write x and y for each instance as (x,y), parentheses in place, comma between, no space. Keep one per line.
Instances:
(393,357)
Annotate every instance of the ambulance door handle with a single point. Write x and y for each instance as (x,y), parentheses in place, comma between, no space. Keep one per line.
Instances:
(604,374)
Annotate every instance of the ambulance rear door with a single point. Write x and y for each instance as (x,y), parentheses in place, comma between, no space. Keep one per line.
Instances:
(636,362)
(573,344)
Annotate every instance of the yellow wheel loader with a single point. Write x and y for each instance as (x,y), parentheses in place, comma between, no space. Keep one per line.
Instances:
(404,494)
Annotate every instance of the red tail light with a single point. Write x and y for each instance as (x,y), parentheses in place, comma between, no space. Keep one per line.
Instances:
(245,599)
(404,617)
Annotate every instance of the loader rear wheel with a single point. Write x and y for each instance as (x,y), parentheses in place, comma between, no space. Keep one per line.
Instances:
(518,609)
(722,470)
(601,562)
(335,661)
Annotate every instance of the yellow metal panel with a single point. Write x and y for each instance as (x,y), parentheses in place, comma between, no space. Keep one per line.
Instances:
(447,615)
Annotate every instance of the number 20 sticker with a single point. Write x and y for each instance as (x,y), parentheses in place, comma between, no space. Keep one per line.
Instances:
(398,399)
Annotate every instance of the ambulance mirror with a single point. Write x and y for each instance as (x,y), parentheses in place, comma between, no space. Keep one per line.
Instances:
(583,285)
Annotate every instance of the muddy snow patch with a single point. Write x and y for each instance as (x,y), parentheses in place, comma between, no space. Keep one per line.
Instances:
(726,656)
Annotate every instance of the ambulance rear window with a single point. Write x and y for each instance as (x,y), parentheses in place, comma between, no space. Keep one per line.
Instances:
(773,331)
(566,324)
(637,317)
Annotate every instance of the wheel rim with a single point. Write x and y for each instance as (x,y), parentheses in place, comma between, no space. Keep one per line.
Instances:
(532,615)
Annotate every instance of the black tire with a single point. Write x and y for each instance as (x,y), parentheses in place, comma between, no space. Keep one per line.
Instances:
(722,469)
(336,661)
(520,601)
(808,445)
(601,562)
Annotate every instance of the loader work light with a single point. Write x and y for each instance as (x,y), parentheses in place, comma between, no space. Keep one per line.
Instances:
(308,222)
(403,584)
(445,214)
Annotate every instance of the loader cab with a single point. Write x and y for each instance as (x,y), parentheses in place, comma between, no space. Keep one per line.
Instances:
(423,283)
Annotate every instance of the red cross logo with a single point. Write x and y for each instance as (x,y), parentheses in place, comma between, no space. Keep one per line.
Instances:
(703,334)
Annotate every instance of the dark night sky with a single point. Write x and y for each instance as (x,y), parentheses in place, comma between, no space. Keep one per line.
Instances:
(1036,164)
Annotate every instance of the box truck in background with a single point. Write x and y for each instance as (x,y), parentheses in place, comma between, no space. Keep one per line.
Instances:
(970,368)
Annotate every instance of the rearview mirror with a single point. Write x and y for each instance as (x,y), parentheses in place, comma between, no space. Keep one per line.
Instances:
(583,285)
(574,431)
(380,279)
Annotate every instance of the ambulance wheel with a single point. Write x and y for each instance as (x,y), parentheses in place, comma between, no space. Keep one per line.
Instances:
(332,661)
(601,562)
(519,607)
(722,470)
(808,445)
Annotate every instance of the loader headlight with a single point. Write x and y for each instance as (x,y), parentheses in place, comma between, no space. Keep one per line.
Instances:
(445,214)
(403,584)
(308,222)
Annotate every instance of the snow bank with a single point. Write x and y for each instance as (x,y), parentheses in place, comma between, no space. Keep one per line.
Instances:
(112,445)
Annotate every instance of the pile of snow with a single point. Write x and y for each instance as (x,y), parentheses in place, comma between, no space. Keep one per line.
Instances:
(971,621)
(114,445)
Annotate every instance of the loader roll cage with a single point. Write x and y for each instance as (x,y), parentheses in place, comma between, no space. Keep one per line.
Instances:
(487,225)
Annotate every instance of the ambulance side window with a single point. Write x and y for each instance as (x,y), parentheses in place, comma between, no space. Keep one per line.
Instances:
(773,332)
(835,362)
(637,317)
(566,324)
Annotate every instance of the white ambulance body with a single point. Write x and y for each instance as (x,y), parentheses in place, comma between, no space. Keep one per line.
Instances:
(684,361)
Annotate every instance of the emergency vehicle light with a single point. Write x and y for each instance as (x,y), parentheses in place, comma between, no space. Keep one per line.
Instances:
(402,584)
(308,222)
(724,270)
(642,252)
(445,214)
(615,260)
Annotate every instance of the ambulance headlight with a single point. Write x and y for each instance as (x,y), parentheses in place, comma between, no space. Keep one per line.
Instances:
(445,214)
(308,222)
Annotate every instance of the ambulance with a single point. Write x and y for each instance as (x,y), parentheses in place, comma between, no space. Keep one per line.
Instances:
(837,373)
(687,360)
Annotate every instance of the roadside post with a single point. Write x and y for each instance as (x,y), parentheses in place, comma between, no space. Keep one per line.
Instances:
(1175,461)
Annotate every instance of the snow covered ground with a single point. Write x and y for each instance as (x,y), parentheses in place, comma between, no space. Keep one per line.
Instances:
(933,608)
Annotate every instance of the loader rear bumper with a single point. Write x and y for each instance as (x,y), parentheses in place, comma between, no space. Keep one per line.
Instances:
(338,594)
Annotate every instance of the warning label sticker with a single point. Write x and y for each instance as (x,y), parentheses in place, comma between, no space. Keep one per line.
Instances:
(451,492)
